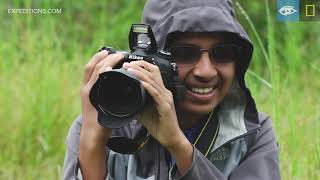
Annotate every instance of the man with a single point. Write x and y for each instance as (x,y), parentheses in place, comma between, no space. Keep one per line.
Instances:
(214,133)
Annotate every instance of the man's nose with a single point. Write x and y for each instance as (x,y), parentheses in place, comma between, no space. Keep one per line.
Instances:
(204,69)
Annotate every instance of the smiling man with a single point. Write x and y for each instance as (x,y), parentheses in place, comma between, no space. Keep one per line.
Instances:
(216,132)
(206,64)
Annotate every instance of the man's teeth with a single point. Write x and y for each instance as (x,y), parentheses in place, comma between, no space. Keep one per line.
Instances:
(202,90)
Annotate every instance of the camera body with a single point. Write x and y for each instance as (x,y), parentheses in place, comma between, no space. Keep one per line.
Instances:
(118,94)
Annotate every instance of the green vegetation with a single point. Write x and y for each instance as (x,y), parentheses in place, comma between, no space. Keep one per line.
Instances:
(42,58)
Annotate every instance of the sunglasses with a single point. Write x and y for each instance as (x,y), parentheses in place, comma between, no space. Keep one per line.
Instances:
(190,54)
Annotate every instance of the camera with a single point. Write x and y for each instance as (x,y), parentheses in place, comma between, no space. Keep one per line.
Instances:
(118,94)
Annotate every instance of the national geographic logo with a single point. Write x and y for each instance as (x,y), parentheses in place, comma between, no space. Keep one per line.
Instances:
(298,10)
(310,10)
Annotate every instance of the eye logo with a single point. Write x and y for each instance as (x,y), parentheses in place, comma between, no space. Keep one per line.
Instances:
(287,10)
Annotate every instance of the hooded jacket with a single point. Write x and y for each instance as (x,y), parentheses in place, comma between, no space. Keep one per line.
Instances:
(245,147)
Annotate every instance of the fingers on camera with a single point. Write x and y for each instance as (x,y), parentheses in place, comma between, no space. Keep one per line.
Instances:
(141,75)
(146,65)
(90,66)
(136,67)
(109,61)
(104,68)
(153,91)
(103,64)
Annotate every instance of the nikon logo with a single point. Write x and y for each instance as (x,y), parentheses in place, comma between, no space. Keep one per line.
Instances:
(135,57)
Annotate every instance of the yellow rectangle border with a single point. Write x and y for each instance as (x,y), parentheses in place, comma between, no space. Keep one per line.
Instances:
(313,10)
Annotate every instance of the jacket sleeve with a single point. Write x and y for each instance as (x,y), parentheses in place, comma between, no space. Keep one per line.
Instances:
(71,162)
(260,163)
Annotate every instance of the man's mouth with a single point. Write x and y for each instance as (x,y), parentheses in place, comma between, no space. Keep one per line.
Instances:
(200,94)
(201,90)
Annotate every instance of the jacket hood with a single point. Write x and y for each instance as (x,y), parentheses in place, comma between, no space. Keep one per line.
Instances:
(167,17)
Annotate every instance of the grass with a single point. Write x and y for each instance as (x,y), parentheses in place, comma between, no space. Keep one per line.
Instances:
(42,58)
(287,89)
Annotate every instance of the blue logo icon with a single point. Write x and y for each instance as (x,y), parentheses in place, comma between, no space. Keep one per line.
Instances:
(288,10)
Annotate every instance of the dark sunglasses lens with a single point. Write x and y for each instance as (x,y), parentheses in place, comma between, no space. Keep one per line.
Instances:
(224,54)
(185,55)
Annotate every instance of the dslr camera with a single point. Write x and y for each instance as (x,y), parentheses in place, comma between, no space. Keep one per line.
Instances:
(118,95)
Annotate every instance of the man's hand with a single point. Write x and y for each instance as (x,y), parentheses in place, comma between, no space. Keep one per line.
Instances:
(93,137)
(160,119)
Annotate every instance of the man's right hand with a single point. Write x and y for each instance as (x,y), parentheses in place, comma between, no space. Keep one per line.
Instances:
(93,137)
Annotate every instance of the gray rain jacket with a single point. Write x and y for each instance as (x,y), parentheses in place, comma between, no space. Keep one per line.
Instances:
(245,147)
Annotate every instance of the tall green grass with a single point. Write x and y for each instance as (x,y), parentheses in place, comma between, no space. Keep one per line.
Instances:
(287,88)
(42,59)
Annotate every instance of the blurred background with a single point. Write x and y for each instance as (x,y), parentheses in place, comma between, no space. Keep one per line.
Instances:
(41,65)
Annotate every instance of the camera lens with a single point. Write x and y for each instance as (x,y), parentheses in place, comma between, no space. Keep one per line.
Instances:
(119,94)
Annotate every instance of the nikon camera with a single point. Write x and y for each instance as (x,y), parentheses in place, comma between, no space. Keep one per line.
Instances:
(118,95)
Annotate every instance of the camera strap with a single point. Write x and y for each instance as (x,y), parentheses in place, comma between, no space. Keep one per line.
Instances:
(126,145)
(208,134)
(204,141)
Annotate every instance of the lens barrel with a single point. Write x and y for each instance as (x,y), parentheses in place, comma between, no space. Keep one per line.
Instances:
(117,95)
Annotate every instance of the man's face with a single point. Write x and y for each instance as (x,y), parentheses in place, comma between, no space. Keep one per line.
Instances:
(206,80)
